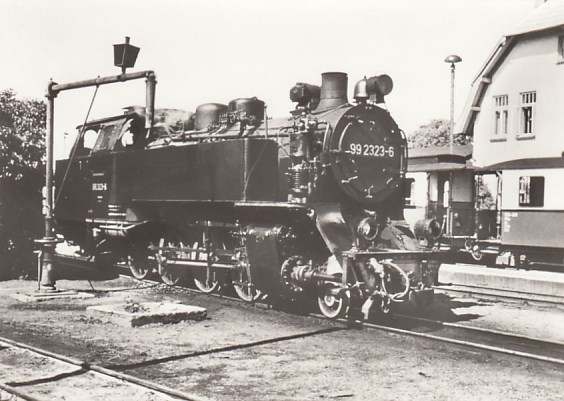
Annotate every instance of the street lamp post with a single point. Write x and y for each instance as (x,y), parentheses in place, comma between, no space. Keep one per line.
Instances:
(452,59)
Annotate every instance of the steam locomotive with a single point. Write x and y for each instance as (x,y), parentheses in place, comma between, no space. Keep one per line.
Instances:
(308,206)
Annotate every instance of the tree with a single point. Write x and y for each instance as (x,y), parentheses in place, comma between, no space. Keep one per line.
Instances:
(435,133)
(22,149)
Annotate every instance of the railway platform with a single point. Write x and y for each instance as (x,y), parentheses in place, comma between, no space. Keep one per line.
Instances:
(526,285)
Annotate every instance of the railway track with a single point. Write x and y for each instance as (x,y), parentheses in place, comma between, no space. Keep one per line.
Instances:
(452,333)
(47,372)
(36,386)
(474,337)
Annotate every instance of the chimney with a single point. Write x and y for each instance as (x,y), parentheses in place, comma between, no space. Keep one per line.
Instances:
(333,90)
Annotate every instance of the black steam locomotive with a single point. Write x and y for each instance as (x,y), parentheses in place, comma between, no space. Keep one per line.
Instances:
(309,205)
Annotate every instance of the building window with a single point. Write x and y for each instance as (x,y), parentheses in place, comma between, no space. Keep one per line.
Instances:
(527,112)
(501,114)
(531,191)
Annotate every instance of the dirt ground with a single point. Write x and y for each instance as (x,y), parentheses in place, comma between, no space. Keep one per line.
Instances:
(245,352)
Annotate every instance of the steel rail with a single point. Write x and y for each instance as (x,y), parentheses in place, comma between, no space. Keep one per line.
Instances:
(17,393)
(470,344)
(98,369)
(479,329)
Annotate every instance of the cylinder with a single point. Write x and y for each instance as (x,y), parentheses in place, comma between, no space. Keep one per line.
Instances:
(333,90)
(253,107)
(208,114)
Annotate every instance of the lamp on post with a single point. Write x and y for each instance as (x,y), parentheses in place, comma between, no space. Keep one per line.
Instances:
(125,56)
(452,59)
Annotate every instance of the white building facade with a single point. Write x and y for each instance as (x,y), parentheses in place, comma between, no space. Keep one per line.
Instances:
(515,113)
(521,114)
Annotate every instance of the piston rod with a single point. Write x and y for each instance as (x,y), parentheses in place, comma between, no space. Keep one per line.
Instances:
(305,274)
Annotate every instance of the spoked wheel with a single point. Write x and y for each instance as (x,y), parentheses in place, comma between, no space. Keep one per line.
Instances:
(333,302)
(169,273)
(476,253)
(138,261)
(206,282)
(243,285)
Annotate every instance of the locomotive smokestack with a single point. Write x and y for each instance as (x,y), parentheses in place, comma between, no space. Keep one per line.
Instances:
(333,90)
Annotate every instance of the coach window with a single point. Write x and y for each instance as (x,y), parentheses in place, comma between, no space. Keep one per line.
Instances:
(561,50)
(527,114)
(531,191)
(409,192)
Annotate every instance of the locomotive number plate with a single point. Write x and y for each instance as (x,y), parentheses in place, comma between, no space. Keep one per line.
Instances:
(371,150)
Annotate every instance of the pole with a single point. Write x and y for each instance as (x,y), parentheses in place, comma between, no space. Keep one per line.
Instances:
(49,143)
(101,81)
(150,87)
(48,241)
(451,133)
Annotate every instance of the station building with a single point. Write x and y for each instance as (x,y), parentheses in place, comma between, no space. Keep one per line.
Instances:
(514,113)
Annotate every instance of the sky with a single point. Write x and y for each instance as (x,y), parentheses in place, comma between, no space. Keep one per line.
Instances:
(218,50)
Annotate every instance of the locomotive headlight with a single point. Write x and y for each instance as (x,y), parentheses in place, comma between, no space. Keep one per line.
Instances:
(368,228)
(380,84)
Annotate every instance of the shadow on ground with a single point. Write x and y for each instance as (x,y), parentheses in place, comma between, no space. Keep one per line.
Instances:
(444,308)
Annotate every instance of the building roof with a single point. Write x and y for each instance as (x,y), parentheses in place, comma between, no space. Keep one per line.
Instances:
(532,163)
(430,167)
(459,150)
(548,15)
(439,159)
